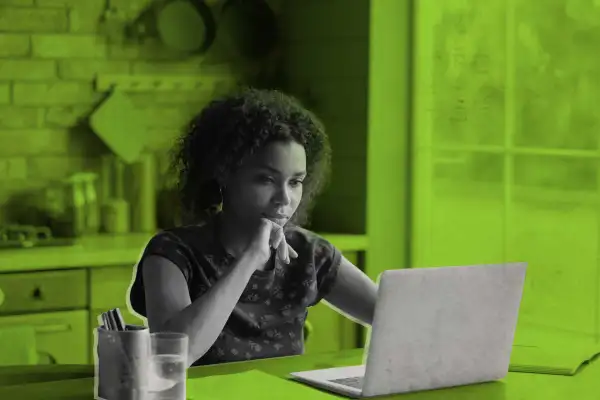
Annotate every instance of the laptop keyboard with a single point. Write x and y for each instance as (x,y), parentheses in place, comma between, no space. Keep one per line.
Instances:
(355,382)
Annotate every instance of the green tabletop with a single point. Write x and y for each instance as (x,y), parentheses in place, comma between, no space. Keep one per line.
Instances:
(584,385)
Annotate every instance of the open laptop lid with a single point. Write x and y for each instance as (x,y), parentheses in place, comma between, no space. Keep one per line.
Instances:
(440,327)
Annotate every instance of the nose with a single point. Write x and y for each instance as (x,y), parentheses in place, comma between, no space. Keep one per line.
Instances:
(282,197)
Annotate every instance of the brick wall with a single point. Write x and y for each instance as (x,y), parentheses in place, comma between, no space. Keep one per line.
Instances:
(50,52)
(326,65)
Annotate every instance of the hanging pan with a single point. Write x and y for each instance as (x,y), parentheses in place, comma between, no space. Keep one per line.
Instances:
(186,25)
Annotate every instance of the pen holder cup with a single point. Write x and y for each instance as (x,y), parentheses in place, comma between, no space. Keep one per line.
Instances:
(122,363)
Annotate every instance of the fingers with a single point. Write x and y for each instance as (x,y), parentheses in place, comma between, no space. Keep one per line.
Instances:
(292,252)
(276,236)
(278,242)
(285,252)
(282,246)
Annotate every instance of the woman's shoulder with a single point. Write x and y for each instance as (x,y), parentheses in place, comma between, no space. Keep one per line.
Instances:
(185,235)
(189,247)
(188,241)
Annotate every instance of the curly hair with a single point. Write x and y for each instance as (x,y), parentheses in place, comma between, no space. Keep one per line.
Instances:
(235,126)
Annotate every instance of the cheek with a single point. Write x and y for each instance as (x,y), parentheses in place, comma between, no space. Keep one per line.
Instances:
(296,196)
(250,197)
(253,196)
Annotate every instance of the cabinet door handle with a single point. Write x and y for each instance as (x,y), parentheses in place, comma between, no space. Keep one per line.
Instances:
(55,328)
(1,297)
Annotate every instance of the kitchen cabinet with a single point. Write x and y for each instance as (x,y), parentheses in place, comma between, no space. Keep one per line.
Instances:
(109,286)
(43,291)
(52,305)
(60,337)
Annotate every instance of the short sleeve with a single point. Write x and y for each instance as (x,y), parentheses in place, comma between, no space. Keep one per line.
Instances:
(164,244)
(327,260)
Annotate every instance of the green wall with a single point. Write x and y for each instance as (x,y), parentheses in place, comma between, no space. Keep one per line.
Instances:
(326,49)
(350,61)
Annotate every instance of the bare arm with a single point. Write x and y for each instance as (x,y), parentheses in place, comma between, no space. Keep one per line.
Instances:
(354,294)
(169,307)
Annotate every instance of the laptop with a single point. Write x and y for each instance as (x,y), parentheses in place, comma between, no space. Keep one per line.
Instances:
(433,328)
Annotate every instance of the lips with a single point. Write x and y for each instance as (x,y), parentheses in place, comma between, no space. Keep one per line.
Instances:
(279,219)
(276,216)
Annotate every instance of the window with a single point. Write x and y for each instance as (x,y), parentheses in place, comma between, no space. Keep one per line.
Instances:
(506,152)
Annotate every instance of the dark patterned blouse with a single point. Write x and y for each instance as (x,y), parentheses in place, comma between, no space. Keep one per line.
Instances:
(268,320)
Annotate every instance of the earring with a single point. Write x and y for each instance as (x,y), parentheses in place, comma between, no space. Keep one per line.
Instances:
(220,205)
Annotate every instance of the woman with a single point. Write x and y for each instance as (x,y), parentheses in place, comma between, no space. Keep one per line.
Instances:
(239,280)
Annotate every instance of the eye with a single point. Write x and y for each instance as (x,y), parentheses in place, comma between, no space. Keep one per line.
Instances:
(265,179)
(296,182)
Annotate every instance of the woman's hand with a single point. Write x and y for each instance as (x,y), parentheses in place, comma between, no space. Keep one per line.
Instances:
(269,236)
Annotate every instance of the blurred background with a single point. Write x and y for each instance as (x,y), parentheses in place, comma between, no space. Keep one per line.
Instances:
(463,133)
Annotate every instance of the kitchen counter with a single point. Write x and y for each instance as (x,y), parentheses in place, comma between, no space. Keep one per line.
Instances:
(106,250)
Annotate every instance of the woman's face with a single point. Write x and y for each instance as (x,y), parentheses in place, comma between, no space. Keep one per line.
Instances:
(269,184)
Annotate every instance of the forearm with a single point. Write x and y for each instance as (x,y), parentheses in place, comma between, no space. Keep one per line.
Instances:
(361,313)
(354,294)
(204,319)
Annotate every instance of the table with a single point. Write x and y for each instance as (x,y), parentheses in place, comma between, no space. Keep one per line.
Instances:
(516,386)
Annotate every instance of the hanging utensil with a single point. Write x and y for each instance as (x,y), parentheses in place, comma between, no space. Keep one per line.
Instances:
(186,25)
(115,122)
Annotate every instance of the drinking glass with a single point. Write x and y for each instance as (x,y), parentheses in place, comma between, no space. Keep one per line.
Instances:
(169,352)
